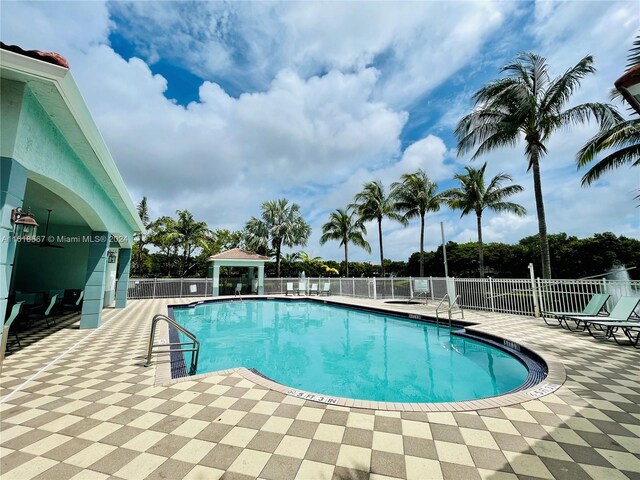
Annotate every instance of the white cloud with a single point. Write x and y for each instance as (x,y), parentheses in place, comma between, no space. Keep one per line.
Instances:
(329,88)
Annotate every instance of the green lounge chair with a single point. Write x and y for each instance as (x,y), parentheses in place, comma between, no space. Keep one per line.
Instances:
(289,288)
(631,330)
(622,312)
(593,308)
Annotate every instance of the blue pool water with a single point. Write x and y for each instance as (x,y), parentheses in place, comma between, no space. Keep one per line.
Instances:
(350,353)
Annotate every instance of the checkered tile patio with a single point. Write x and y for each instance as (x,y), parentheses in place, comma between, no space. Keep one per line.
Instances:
(80,404)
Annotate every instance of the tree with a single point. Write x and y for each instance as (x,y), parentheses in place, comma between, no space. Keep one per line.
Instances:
(143,213)
(190,235)
(372,204)
(528,103)
(416,195)
(474,196)
(280,224)
(162,235)
(623,137)
(344,227)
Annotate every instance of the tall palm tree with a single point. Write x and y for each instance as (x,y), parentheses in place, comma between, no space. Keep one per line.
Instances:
(624,137)
(373,204)
(143,213)
(280,224)
(190,236)
(343,226)
(474,195)
(528,104)
(416,195)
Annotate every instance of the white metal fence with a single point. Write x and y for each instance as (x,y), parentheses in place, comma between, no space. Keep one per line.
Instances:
(517,296)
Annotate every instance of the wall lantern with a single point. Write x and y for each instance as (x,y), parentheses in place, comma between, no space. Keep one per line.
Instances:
(112,256)
(24,225)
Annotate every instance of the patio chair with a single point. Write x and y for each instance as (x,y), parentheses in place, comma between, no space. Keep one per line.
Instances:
(622,312)
(72,302)
(326,289)
(15,311)
(238,290)
(595,306)
(289,288)
(46,314)
(313,289)
(302,288)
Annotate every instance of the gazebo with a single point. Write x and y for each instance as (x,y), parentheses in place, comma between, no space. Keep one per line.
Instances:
(237,257)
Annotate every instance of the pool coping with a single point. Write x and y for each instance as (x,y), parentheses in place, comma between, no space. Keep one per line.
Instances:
(554,379)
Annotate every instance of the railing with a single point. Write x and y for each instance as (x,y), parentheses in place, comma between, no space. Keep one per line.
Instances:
(195,349)
(516,296)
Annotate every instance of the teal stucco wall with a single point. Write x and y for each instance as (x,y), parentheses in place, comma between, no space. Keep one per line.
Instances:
(52,162)
(44,269)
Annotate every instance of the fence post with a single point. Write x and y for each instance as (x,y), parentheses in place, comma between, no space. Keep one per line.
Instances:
(392,292)
(433,297)
(181,287)
(493,307)
(155,280)
(410,289)
(375,293)
(536,304)
(353,291)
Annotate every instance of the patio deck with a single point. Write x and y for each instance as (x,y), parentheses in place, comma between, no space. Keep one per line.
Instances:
(80,404)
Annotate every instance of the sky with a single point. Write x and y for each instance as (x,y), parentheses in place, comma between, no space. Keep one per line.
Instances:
(216,107)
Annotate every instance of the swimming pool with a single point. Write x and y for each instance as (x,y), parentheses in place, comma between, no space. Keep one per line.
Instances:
(351,353)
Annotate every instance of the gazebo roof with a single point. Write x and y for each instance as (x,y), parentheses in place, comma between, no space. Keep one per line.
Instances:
(237,254)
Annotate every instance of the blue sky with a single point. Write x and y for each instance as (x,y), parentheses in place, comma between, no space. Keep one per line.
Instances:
(217,107)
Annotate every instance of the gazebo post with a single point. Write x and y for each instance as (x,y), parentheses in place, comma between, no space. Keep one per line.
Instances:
(215,290)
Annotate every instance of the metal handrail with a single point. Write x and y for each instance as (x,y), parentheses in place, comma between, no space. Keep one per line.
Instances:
(449,308)
(446,297)
(194,341)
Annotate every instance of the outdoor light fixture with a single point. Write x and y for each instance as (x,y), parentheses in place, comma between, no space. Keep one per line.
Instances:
(24,225)
(111,256)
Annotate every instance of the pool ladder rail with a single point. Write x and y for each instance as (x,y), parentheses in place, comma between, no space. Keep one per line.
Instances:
(449,307)
(181,345)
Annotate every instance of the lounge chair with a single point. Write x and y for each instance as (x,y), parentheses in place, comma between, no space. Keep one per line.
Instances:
(631,330)
(302,288)
(595,306)
(326,289)
(622,312)
(313,289)
(289,288)
(238,290)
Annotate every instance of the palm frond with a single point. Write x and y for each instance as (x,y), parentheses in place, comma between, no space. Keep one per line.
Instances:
(629,155)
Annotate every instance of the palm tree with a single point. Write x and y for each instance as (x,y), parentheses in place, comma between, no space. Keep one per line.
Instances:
(624,137)
(416,195)
(280,224)
(474,195)
(528,104)
(344,227)
(190,236)
(372,204)
(143,213)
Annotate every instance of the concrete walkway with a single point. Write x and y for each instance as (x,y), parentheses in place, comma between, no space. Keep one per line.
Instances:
(80,404)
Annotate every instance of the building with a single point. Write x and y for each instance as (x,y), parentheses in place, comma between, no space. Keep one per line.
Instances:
(54,163)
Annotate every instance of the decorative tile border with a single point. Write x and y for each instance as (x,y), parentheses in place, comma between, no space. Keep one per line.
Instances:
(555,378)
